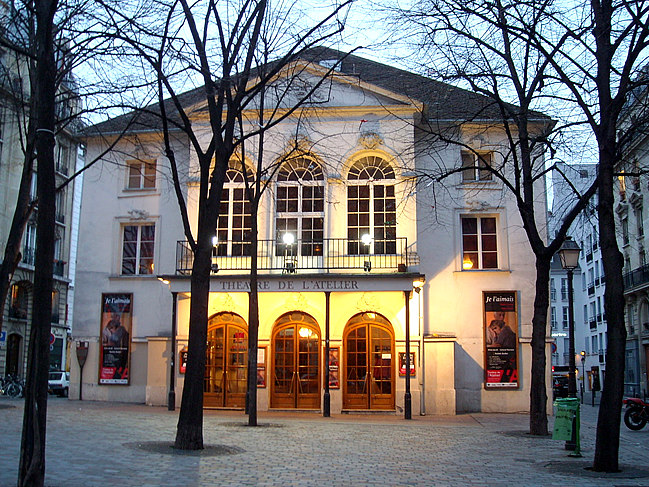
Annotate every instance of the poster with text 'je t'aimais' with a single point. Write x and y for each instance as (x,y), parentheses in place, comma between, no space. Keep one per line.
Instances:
(501,339)
(116,320)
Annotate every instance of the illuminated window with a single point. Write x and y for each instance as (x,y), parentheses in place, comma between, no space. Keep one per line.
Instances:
(299,205)
(371,207)
(235,221)
(137,249)
(141,174)
(19,296)
(479,243)
(475,164)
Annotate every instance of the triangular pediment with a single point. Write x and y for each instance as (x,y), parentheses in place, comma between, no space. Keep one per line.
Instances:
(312,85)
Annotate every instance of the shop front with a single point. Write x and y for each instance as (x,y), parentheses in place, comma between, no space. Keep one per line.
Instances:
(368,327)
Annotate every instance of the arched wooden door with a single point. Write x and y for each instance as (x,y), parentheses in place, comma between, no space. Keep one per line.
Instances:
(369,363)
(226,362)
(296,362)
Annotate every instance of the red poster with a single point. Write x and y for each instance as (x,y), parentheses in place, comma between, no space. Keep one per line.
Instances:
(501,339)
(114,356)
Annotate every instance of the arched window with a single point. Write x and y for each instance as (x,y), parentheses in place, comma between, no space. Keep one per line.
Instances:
(371,207)
(299,206)
(235,219)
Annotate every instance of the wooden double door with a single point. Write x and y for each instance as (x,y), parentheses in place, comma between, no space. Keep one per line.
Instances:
(295,362)
(369,365)
(226,362)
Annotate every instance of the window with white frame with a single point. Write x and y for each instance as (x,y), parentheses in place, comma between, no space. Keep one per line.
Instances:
(138,244)
(479,242)
(553,291)
(475,166)
(29,244)
(141,174)
(553,317)
(299,206)
(371,207)
(565,317)
(234,224)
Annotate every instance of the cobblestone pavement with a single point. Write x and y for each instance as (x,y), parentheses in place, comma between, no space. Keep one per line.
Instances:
(114,444)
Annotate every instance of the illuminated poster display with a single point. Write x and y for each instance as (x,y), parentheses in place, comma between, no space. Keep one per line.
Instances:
(116,321)
(501,339)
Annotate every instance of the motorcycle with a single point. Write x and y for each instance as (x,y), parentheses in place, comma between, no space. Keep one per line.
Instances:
(637,413)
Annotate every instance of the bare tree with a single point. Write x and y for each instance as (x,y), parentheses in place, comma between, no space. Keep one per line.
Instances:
(599,67)
(221,52)
(480,45)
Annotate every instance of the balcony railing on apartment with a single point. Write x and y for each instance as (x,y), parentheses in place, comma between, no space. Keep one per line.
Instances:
(29,258)
(327,255)
(636,277)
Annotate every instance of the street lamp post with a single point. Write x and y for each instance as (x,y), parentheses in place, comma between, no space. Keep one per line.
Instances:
(583,374)
(569,255)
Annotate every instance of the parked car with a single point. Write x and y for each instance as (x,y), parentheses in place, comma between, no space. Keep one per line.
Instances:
(59,383)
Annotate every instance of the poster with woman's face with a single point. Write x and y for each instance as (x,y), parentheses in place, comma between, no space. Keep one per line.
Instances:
(115,334)
(501,339)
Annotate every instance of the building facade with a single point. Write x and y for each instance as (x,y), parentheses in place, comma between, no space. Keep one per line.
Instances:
(631,218)
(588,281)
(14,86)
(354,251)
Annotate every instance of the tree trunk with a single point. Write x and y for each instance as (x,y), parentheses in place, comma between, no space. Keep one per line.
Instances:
(538,395)
(189,432)
(31,471)
(253,325)
(607,442)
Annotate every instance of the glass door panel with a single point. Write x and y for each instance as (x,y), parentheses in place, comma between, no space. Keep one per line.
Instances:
(369,374)
(214,368)
(296,360)
(226,362)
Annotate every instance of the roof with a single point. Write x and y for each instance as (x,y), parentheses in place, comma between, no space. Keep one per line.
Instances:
(442,101)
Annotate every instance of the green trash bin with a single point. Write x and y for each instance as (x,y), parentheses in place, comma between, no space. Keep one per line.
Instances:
(567,417)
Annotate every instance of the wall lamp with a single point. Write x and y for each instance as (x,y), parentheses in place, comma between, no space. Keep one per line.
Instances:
(367,241)
(215,246)
(289,264)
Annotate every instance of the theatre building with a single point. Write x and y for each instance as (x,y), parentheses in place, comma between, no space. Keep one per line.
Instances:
(358,250)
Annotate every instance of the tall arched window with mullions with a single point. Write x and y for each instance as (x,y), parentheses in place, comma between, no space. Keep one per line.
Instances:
(371,207)
(299,208)
(235,220)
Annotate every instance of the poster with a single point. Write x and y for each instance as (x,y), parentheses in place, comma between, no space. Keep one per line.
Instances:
(501,339)
(402,364)
(261,367)
(116,321)
(334,368)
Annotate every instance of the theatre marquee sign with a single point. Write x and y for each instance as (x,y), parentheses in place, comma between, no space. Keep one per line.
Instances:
(228,284)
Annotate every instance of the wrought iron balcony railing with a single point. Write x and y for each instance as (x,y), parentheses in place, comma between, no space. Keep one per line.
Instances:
(327,255)
(636,277)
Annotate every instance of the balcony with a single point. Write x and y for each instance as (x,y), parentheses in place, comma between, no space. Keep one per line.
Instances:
(636,277)
(59,267)
(328,255)
(29,255)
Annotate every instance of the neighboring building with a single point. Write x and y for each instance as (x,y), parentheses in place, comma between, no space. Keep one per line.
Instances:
(362,239)
(631,220)
(17,319)
(588,280)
